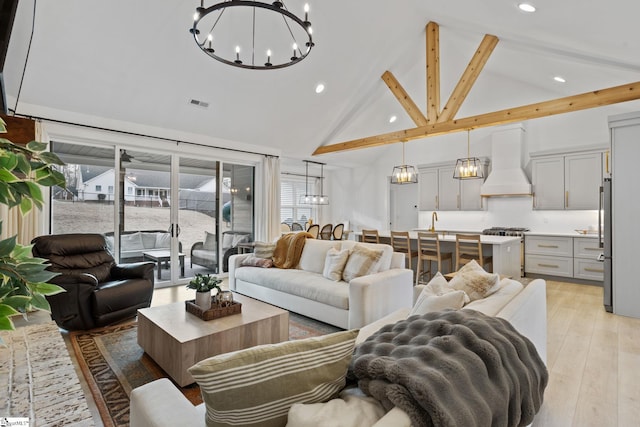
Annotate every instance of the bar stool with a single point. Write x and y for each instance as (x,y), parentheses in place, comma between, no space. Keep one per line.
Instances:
(429,250)
(370,236)
(401,242)
(468,247)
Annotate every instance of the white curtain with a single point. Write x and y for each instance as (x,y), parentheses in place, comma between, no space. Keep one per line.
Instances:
(268,205)
(29,226)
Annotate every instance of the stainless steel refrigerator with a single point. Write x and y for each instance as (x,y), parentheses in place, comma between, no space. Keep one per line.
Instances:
(604,222)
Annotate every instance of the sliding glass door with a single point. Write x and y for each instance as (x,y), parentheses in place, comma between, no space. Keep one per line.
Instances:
(186,214)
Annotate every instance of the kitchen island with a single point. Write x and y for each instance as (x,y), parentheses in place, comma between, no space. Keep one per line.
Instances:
(506,250)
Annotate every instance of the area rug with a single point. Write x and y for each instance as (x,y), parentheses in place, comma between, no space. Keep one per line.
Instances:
(37,379)
(114,364)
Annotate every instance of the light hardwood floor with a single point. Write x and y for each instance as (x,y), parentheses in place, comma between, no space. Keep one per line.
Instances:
(593,359)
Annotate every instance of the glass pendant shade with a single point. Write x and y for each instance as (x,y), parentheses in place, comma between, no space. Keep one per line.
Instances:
(468,167)
(404,174)
(314,199)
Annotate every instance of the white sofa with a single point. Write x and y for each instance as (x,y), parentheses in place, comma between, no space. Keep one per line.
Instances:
(160,403)
(305,291)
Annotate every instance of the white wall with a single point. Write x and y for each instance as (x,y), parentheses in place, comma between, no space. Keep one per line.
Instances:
(361,194)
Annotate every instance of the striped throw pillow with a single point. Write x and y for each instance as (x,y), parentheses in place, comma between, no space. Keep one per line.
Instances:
(263,250)
(257,386)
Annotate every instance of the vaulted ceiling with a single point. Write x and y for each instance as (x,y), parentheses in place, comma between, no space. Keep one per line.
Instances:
(109,62)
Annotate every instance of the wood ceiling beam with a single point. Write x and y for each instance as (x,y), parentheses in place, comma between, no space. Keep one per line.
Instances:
(468,78)
(597,98)
(433,71)
(405,100)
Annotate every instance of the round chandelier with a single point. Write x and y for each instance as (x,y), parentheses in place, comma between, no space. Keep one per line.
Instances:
(252,34)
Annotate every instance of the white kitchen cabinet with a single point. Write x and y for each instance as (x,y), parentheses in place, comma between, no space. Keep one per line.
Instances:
(585,259)
(547,175)
(567,181)
(563,256)
(440,191)
(582,180)
(448,190)
(551,255)
(428,183)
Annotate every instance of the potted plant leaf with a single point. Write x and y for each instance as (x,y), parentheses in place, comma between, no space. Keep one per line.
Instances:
(203,285)
(23,279)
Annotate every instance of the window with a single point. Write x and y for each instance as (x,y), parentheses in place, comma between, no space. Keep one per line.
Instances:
(110,189)
(290,208)
(98,187)
(129,190)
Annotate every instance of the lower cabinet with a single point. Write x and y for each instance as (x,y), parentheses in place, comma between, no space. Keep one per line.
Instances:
(585,259)
(574,257)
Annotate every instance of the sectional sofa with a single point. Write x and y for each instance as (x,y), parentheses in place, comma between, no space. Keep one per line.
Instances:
(160,403)
(305,290)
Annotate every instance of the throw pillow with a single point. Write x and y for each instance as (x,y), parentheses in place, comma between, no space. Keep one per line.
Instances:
(362,261)
(227,241)
(253,261)
(334,264)
(163,241)
(453,300)
(264,250)
(257,386)
(149,240)
(131,242)
(476,282)
(210,241)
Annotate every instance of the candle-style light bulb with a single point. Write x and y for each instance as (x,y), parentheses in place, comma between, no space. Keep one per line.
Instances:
(268,63)
(210,39)
(238,61)
(295,48)
(306,12)
(196,16)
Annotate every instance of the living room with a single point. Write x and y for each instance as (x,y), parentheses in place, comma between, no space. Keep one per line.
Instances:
(124,81)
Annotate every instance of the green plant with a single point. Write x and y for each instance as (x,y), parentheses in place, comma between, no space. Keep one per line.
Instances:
(23,279)
(203,283)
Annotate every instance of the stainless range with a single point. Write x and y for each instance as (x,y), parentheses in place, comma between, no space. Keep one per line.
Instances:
(510,231)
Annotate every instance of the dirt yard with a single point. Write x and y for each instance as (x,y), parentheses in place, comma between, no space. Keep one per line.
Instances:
(80,217)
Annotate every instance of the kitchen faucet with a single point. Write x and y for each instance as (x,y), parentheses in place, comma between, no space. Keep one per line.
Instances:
(434,217)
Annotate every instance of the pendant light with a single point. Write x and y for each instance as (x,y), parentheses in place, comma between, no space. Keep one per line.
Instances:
(404,174)
(469,167)
(314,199)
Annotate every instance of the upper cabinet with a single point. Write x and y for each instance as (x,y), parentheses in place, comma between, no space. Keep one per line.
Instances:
(440,191)
(567,181)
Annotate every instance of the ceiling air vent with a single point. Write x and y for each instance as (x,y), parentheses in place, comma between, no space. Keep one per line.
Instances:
(199,103)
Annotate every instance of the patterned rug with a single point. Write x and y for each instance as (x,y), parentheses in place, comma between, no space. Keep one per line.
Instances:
(113,364)
(37,379)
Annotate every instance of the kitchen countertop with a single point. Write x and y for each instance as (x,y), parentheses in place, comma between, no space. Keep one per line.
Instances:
(451,237)
(562,234)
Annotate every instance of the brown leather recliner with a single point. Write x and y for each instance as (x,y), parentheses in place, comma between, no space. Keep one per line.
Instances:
(98,291)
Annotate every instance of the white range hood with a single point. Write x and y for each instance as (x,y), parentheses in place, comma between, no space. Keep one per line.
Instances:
(507,178)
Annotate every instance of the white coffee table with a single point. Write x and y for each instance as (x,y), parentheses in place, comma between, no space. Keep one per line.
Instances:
(176,339)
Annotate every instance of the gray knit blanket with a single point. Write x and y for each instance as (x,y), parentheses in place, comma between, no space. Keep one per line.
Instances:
(453,368)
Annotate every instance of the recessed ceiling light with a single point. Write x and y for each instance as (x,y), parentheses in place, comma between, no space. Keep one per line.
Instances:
(559,79)
(392,119)
(526,7)
(320,88)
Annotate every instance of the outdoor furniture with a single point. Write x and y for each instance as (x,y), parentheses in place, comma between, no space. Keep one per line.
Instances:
(160,256)
(205,253)
(98,291)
